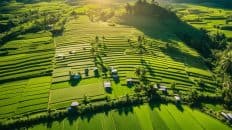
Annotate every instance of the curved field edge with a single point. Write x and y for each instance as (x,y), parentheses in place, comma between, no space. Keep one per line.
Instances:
(144,117)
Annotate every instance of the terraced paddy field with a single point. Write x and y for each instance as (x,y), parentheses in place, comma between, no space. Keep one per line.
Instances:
(145,117)
(35,71)
(23,57)
(26,62)
(24,97)
(209,18)
(165,64)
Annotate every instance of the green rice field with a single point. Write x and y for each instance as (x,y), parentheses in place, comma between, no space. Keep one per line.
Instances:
(144,117)
(43,44)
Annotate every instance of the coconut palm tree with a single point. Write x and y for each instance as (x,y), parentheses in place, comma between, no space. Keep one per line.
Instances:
(226,63)
(138,71)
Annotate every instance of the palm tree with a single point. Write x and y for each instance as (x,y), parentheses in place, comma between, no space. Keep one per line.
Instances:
(227,81)
(138,71)
(226,63)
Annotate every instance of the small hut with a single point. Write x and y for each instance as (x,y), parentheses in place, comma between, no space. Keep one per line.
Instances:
(177,99)
(129,82)
(61,56)
(155,86)
(114,71)
(107,84)
(72,52)
(74,104)
(95,71)
(163,89)
(77,76)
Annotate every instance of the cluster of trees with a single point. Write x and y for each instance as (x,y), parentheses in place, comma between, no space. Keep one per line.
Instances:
(100,14)
(98,48)
(217,51)
(29,22)
(142,7)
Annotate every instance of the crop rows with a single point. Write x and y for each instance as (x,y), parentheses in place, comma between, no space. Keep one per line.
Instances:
(24,97)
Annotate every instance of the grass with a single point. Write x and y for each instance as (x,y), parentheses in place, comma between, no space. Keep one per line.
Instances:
(161,117)
(205,17)
(24,97)
(89,87)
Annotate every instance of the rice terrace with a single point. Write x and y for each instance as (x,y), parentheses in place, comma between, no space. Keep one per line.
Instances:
(116,64)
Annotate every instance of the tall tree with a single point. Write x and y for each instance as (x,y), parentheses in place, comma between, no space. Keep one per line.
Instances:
(226,63)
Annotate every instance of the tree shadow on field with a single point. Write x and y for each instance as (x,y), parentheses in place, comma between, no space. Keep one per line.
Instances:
(109,90)
(151,27)
(152,105)
(179,107)
(174,52)
(72,118)
(88,116)
(125,110)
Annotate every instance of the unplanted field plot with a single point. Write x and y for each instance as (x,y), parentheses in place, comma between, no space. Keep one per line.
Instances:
(144,117)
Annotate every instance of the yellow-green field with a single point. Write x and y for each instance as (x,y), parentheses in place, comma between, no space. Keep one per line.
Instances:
(199,16)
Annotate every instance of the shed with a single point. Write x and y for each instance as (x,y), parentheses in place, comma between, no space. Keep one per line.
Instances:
(155,86)
(95,68)
(74,104)
(163,89)
(177,98)
(225,115)
(60,56)
(129,82)
(114,71)
(230,116)
(72,52)
(77,76)
(107,84)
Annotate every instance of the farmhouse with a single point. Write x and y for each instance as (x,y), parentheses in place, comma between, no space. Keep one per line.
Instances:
(107,84)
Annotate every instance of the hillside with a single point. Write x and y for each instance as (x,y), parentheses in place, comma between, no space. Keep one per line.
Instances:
(214,3)
(56,53)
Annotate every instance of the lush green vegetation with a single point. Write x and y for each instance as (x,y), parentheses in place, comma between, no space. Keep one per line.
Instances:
(56,52)
(143,117)
(24,97)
